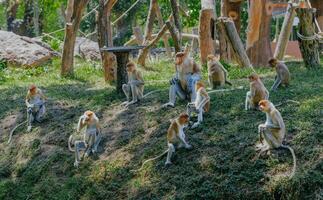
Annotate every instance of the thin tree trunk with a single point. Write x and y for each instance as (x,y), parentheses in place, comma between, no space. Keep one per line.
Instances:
(105,38)
(258,35)
(73,20)
(309,47)
(12,8)
(227,28)
(177,21)
(206,33)
(285,33)
(148,31)
(195,42)
(36,17)
(173,33)
(165,37)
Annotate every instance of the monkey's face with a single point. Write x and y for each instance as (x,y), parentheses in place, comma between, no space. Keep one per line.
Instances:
(273,62)
(253,77)
(32,89)
(88,116)
(198,85)
(130,68)
(179,58)
(184,119)
(264,105)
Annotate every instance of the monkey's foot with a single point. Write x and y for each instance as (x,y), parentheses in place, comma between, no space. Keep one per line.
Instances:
(195,125)
(76,164)
(124,103)
(28,128)
(131,102)
(168,104)
(188,146)
(168,163)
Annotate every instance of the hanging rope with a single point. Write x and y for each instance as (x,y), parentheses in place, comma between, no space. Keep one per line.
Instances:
(126,12)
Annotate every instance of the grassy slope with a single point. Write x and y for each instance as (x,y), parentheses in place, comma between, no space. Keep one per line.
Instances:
(37,165)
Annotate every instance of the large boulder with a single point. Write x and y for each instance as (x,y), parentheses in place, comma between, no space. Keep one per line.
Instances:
(23,51)
(87,49)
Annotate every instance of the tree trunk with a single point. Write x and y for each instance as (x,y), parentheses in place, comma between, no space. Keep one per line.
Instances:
(28,22)
(148,31)
(227,28)
(318,5)
(12,7)
(73,20)
(36,17)
(195,42)
(232,10)
(165,37)
(174,35)
(122,59)
(206,34)
(309,48)
(258,35)
(105,38)
(177,21)
(285,33)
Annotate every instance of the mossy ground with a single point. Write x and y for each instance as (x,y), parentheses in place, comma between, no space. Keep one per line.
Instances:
(38,165)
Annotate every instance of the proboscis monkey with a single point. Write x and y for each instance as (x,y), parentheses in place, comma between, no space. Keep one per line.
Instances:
(282,76)
(135,87)
(175,138)
(273,131)
(91,136)
(35,102)
(200,105)
(257,92)
(187,74)
(217,74)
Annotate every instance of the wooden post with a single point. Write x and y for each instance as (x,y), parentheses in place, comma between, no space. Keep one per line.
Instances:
(258,35)
(195,42)
(122,60)
(165,37)
(207,30)
(73,20)
(285,33)
(227,27)
(105,38)
(309,45)
(148,31)
(177,21)
(232,9)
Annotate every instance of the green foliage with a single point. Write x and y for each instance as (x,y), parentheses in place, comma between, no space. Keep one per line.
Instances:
(37,165)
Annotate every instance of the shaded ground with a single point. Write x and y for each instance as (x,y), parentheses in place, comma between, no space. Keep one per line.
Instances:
(37,165)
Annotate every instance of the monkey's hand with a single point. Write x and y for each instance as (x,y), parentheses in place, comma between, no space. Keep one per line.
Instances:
(173,81)
(262,128)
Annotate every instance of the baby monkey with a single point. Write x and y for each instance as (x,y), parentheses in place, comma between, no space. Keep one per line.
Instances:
(273,131)
(35,102)
(257,92)
(217,74)
(200,105)
(175,138)
(135,86)
(283,76)
(91,137)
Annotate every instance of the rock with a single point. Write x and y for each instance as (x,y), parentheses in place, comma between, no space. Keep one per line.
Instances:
(87,49)
(23,51)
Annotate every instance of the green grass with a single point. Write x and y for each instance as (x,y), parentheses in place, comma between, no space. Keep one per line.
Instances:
(37,165)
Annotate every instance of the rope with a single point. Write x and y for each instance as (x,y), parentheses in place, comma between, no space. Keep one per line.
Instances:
(126,12)
(308,38)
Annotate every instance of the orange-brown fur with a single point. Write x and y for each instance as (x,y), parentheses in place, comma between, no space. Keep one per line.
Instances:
(199,85)
(173,130)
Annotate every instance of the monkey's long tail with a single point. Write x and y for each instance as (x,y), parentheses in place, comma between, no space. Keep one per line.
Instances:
(13,130)
(225,90)
(294,159)
(288,101)
(69,143)
(228,82)
(151,159)
(151,92)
